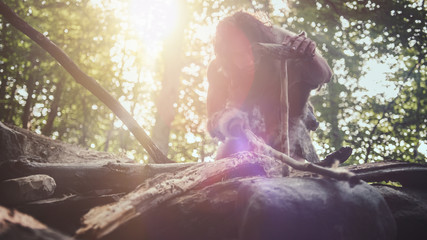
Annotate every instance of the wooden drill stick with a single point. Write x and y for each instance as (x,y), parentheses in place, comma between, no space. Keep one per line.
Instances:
(284,109)
(282,53)
(86,81)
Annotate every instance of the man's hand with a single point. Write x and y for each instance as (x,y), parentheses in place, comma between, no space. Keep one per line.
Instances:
(232,123)
(300,45)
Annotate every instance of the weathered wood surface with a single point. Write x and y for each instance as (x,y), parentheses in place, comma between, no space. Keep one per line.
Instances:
(81,178)
(103,220)
(409,209)
(124,177)
(94,176)
(216,211)
(64,212)
(26,189)
(244,208)
(17,143)
(408,174)
(15,225)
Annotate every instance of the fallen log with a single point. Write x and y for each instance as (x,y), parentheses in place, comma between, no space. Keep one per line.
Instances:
(410,175)
(224,210)
(26,189)
(103,220)
(15,225)
(64,213)
(17,143)
(81,178)
(124,177)
(263,208)
(409,209)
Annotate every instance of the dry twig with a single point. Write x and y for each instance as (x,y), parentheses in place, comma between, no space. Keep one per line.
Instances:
(337,173)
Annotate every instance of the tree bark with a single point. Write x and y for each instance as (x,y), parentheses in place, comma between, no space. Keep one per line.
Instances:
(3,100)
(419,96)
(172,55)
(11,103)
(409,175)
(16,225)
(25,118)
(108,136)
(64,212)
(333,98)
(84,124)
(4,51)
(48,128)
(101,221)
(83,178)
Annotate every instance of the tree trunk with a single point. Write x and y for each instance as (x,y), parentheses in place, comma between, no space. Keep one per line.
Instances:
(173,56)
(48,128)
(84,123)
(3,85)
(419,97)
(108,136)
(11,103)
(4,51)
(334,100)
(26,114)
(33,74)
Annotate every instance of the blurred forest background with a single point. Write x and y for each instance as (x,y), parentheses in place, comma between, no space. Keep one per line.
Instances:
(152,56)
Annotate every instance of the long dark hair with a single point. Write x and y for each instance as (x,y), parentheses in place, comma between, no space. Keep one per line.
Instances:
(251,26)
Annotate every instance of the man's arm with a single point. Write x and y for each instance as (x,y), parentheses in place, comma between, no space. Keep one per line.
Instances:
(311,68)
(217,97)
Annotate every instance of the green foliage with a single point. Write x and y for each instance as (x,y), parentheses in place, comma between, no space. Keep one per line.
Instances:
(85,33)
(349,33)
(103,40)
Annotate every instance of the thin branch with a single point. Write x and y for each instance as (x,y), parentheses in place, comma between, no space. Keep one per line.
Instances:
(339,174)
(86,81)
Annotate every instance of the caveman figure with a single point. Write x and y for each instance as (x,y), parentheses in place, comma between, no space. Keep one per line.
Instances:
(245,87)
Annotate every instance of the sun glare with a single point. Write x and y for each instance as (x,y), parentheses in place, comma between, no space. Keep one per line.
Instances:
(145,25)
(279,7)
(153,20)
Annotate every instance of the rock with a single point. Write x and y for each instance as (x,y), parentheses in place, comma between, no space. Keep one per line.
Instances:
(26,189)
(304,208)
